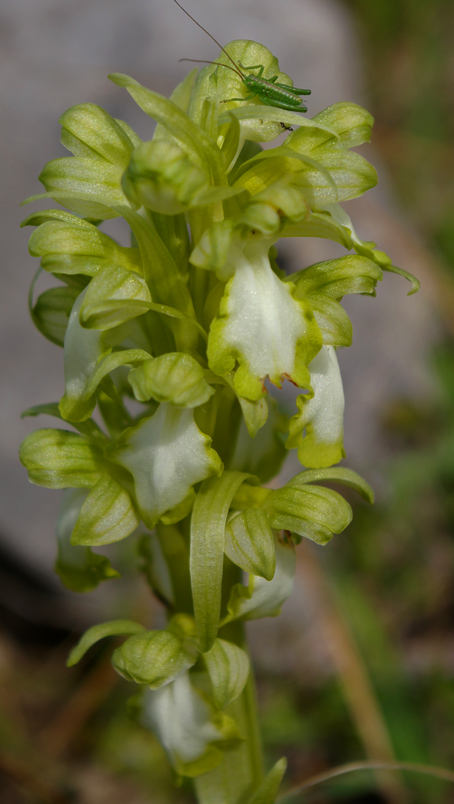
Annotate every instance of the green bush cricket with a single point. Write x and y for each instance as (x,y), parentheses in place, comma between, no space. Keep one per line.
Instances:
(269,90)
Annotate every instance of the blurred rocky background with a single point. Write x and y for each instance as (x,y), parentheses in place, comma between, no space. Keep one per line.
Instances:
(361,663)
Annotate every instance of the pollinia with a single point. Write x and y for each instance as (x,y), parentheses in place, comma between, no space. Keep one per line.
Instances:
(189,320)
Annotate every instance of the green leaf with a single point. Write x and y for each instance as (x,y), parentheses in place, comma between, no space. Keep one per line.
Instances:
(207,551)
(249,543)
(336,474)
(79,568)
(311,511)
(59,459)
(97,632)
(228,668)
(174,377)
(107,515)
(264,598)
(153,658)
(268,790)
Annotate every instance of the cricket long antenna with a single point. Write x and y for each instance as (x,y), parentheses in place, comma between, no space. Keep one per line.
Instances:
(205,61)
(237,70)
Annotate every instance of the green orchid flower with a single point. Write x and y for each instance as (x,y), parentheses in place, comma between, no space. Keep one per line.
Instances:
(169,341)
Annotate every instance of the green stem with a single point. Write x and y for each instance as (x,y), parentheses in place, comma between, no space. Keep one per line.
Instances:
(241,771)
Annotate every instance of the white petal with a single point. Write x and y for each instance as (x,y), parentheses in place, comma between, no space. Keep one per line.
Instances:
(265,598)
(264,320)
(325,411)
(181,720)
(166,454)
(83,348)
(318,429)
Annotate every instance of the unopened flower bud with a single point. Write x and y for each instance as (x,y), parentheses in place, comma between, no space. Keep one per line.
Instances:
(161,177)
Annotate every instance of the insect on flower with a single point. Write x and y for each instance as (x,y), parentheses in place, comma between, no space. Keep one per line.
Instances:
(269,90)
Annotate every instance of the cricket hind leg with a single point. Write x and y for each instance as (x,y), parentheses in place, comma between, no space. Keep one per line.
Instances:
(248,97)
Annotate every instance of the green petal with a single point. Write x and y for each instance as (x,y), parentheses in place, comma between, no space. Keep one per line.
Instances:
(258,115)
(351,123)
(264,598)
(101,631)
(88,428)
(333,321)
(346,477)
(263,454)
(185,132)
(78,568)
(161,177)
(249,543)
(59,459)
(83,350)
(166,455)
(310,511)
(109,363)
(52,311)
(174,377)
(83,175)
(154,658)
(317,430)
(88,130)
(228,668)
(107,515)
(113,283)
(352,174)
(74,246)
(339,277)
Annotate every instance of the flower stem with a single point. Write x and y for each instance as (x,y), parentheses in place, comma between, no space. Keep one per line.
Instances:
(241,770)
